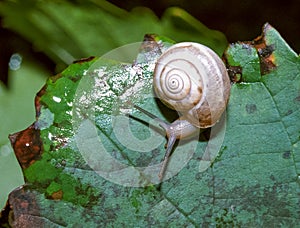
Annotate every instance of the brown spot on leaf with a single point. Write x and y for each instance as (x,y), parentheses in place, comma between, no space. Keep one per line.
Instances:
(27,146)
(57,195)
(37,101)
(235,73)
(83,60)
(149,37)
(267,64)
(251,108)
(286,155)
(265,53)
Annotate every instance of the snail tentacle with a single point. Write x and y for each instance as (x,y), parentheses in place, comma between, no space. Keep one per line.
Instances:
(180,128)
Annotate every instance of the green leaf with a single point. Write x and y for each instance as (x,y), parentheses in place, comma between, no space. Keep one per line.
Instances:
(88,175)
(94,27)
(66,31)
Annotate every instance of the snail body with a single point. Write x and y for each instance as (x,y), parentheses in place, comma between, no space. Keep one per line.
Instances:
(191,79)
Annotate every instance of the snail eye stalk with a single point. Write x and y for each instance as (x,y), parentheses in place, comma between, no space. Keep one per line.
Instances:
(170,135)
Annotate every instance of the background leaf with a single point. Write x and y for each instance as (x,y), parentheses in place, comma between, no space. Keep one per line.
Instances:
(253,182)
(17,111)
(97,27)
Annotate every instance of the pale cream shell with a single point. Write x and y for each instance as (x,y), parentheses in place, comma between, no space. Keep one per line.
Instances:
(198,83)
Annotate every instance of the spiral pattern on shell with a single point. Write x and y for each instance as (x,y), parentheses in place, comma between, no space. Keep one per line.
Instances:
(193,80)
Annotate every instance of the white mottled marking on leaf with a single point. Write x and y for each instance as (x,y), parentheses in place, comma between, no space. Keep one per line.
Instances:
(132,90)
(56,99)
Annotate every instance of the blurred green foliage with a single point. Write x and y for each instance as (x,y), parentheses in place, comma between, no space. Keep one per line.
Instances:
(67,31)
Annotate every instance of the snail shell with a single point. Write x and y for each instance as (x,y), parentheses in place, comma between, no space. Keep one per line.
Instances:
(192,79)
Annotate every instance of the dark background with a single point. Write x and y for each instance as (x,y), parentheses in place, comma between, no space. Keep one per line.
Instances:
(239,20)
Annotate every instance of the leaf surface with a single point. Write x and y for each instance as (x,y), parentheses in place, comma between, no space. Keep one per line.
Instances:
(253,180)
(65,31)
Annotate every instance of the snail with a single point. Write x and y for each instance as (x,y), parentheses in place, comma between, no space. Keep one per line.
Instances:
(191,79)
